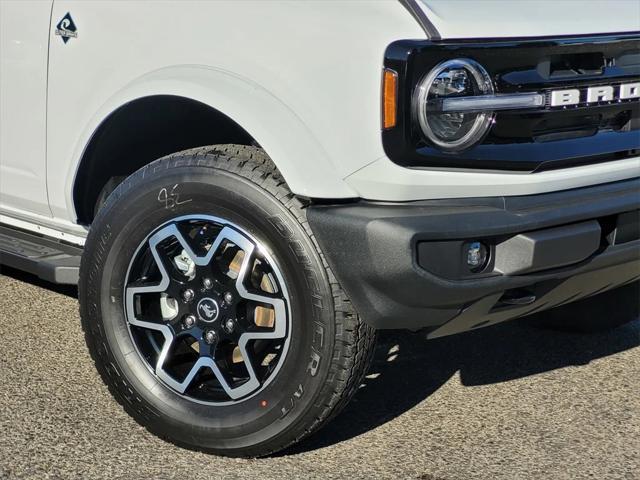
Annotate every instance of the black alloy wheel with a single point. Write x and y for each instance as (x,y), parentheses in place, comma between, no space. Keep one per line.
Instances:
(208,293)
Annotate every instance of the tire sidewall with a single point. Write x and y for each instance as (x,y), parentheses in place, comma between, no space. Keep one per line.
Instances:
(139,207)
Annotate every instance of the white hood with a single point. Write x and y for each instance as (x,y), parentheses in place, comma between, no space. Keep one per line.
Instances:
(530,18)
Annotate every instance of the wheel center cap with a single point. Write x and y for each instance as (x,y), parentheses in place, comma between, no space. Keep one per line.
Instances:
(208,310)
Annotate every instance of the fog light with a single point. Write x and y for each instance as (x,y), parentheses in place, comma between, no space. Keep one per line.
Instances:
(477,255)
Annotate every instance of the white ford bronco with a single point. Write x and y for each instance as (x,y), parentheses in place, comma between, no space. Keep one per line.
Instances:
(244,192)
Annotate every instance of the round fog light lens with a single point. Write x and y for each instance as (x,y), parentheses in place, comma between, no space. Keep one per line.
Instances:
(477,256)
(454,131)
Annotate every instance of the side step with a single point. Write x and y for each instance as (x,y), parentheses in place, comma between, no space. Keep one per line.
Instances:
(47,258)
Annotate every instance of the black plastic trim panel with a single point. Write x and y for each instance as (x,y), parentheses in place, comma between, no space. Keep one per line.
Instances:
(372,249)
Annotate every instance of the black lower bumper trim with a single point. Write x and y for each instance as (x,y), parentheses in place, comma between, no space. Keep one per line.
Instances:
(373,251)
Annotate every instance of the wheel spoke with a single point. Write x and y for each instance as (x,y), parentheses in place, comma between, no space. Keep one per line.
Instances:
(138,289)
(280,324)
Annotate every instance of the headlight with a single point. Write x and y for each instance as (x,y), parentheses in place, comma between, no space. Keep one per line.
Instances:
(453,131)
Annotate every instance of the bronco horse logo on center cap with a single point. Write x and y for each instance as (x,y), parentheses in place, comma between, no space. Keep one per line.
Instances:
(208,310)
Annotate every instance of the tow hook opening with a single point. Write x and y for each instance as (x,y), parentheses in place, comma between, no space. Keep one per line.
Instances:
(515,297)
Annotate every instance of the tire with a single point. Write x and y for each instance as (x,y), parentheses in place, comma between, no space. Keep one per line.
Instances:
(107,190)
(598,313)
(320,361)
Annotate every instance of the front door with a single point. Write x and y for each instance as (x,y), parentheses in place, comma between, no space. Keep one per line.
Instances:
(24,45)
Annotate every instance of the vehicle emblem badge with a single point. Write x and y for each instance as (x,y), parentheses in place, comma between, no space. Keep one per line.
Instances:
(66,28)
(601,93)
(208,310)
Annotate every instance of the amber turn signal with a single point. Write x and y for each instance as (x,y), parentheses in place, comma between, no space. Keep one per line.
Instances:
(389,98)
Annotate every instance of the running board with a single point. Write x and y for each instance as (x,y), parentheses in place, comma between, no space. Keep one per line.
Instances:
(47,258)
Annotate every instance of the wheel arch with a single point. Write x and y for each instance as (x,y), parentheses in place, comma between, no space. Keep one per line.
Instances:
(240,111)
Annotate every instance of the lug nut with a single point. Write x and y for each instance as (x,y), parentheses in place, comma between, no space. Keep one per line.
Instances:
(228,297)
(189,321)
(229,325)
(188,295)
(210,336)
(207,283)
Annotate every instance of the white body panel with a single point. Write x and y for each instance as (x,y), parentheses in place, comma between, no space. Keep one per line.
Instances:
(384,180)
(303,78)
(530,18)
(24,35)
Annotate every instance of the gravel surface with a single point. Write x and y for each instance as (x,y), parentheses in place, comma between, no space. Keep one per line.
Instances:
(506,402)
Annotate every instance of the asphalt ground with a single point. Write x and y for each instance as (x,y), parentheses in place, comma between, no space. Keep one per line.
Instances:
(507,402)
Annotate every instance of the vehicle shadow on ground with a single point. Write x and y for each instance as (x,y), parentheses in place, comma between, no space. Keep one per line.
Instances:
(66,290)
(407,368)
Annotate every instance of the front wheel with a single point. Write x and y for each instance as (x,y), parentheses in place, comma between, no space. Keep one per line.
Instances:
(209,310)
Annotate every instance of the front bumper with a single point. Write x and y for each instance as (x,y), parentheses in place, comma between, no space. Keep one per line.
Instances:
(403,264)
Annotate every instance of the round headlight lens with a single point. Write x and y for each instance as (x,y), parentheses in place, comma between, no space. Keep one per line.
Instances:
(453,131)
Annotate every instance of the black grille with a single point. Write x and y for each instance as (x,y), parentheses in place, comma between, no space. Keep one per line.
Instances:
(527,140)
